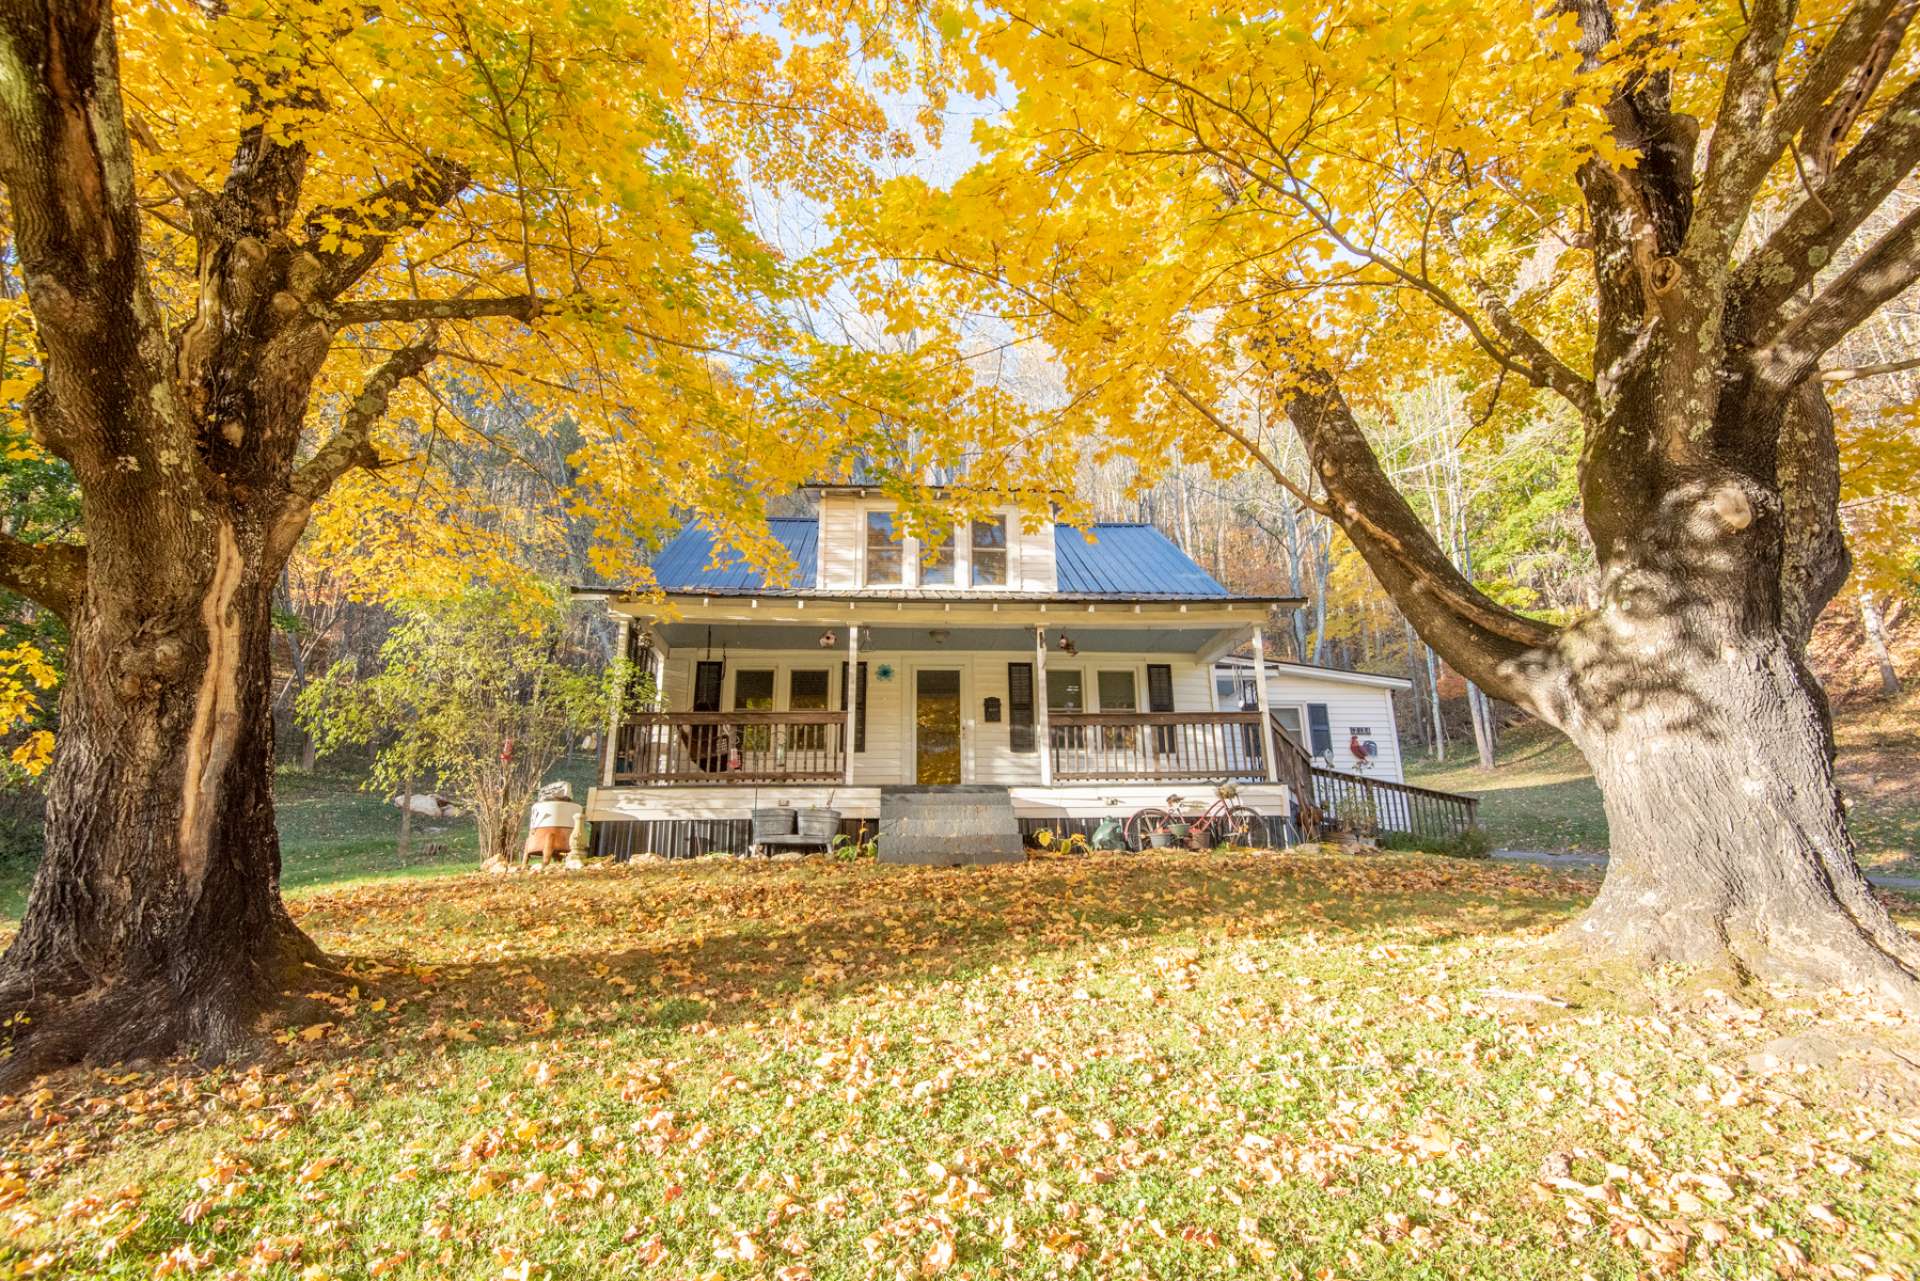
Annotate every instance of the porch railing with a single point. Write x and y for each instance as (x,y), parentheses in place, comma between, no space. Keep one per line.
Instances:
(1375,805)
(1109,746)
(731,747)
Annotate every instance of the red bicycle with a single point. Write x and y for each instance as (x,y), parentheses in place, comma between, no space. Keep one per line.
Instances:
(1220,824)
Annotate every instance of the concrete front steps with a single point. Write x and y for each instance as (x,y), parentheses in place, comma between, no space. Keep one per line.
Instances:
(948,826)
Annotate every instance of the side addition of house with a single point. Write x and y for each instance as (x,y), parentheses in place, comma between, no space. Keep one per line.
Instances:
(1075,671)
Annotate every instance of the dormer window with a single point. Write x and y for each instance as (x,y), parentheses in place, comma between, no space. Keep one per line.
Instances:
(936,560)
(990,552)
(884,553)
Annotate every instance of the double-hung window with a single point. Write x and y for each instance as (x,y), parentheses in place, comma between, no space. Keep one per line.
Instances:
(989,549)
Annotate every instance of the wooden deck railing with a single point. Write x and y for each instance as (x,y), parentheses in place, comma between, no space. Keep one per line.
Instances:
(731,747)
(1375,805)
(1113,746)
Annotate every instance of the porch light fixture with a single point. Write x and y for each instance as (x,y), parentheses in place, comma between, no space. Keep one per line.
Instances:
(827,639)
(1067,646)
(939,635)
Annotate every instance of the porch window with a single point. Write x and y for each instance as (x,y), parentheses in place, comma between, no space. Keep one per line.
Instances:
(1066,692)
(753,692)
(936,560)
(807,692)
(990,552)
(883,551)
(1117,694)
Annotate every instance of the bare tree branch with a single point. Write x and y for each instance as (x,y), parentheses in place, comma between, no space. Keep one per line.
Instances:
(349,239)
(1542,367)
(351,445)
(51,575)
(1882,273)
(1817,226)
(370,311)
(1848,374)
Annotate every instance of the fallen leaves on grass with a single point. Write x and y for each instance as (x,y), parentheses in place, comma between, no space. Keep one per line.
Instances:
(1295,1066)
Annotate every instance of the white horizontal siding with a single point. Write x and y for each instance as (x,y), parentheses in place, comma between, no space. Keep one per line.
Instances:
(843,533)
(1348,707)
(1083,800)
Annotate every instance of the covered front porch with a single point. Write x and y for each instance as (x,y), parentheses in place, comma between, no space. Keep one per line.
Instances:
(795,691)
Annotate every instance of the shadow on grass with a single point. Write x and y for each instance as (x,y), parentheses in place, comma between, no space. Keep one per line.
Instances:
(504,959)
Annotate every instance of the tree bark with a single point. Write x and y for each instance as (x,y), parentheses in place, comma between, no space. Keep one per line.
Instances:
(1711,742)
(155,920)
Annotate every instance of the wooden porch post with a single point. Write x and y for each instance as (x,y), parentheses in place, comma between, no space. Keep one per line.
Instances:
(1267,744)
(610,747)
(1043,736)
(852,694)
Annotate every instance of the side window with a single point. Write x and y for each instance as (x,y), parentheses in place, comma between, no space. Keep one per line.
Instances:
(989,548)
(1319,725)
(860,711)
(883,551)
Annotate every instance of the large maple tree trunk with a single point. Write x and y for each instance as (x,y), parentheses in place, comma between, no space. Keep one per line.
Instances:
(1711,742)
(155,920)
(1728,840)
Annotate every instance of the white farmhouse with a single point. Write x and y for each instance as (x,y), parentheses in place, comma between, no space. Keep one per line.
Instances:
(1014,663)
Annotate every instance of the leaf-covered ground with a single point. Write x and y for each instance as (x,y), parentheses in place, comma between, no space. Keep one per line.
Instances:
(1167,1065)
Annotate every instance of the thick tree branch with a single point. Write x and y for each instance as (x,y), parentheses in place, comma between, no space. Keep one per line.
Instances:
(1820,139)
(67,166)
(351,445)
(1881,274)
(1499,650)
(51,575)
(1816,227)
(1750,134)
(349,239)
(368,311)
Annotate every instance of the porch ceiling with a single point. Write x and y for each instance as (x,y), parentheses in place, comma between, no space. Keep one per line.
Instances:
(1203,638)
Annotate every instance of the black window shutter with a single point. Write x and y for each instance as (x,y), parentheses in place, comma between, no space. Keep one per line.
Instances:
(707,679)
(1160,699)
(859,717)
(1020,707)
(1320,728)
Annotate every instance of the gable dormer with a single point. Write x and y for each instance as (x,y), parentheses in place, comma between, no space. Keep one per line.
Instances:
(863,546)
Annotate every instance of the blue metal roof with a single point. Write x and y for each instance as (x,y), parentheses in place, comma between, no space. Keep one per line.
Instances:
(1109,560)
(1128,560)
(686,563)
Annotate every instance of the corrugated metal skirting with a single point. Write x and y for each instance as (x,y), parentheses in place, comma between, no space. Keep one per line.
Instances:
(687,838)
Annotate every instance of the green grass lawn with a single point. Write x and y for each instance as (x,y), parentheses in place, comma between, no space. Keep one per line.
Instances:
(332,832)
(1162,1065)
(1543,797)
